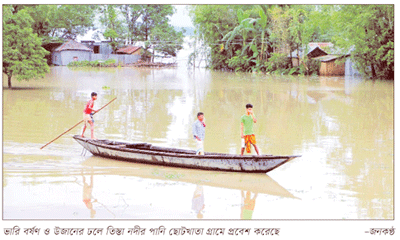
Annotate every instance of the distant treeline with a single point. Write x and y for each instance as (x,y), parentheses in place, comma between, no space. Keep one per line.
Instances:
(261,37)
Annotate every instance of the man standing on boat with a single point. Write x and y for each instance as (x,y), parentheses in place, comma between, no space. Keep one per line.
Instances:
(199,132)
(87,115)
(246,130)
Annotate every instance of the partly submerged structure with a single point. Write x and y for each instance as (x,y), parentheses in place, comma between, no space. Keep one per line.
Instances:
(333,63)
(89,50)
(70,51)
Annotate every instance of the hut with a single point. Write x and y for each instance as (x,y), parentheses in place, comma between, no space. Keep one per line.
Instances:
(70,51)
(315,50)
(332,62)
(332,65)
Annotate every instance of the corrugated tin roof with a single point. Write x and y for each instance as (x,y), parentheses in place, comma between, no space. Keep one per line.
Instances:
(330,57)
(128,49)
(315,51)
(312,47)
(72,45)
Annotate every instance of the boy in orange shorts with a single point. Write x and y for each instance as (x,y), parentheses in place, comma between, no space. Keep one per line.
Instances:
(246,130)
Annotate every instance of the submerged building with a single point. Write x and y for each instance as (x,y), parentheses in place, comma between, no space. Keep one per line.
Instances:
(70,51)
(89,50)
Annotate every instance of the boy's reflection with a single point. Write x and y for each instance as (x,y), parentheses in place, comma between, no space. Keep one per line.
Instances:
(198,201)
(248,205)
(87,194)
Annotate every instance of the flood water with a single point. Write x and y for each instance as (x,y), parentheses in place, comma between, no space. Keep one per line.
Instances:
(342,127)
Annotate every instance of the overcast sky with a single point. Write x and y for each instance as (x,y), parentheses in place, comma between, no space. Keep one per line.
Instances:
(181,17)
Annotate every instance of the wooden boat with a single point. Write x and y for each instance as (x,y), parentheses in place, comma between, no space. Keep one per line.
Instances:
(147,153)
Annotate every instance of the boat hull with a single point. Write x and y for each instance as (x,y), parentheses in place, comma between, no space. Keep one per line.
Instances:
(209,161)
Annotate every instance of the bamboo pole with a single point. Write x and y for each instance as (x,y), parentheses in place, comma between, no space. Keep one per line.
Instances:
(74,126)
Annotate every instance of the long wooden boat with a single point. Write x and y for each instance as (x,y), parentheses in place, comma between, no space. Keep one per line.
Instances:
(147,153)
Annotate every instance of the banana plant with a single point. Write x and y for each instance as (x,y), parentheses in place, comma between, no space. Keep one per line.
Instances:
(241,30)
(254,29)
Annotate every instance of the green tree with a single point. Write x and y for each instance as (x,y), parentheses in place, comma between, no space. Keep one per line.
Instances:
(131,14)
(319,22)
(58,22)
(238,36)
(369,31)
(167,41)
(261,44)
(23,55)
(149,27)
(212,23)
(110,19)
(289,30)
(151,16)
(235,34)
(148,23)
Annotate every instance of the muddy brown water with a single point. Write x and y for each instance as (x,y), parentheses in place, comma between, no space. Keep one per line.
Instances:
(342,127)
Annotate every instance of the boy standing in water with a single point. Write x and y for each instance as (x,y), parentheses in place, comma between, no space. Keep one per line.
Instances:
(246,130)
(87,118)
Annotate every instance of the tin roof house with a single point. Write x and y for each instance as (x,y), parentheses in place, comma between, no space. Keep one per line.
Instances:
(314,50)
(70,51)
(333,63)
(90,50)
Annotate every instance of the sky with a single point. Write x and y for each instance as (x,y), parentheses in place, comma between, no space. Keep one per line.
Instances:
(181,17)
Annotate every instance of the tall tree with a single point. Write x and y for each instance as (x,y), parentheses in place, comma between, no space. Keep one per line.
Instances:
(242,58)
(111,19)
(246,44)
(150,24)
(212,23)
(369,31)
(131,13)
(23,55)
(167,41)
(151,16)
(58,22)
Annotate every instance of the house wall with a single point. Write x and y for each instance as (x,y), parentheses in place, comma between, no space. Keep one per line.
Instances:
(105,48)
(332,68)
(100,57)
(129,59)
(64,57)
(56,58)
(120,58)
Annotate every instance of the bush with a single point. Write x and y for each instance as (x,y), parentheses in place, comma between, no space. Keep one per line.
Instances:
(97,63)
(313,66)
(278,62)
(110,62)
(239,63)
